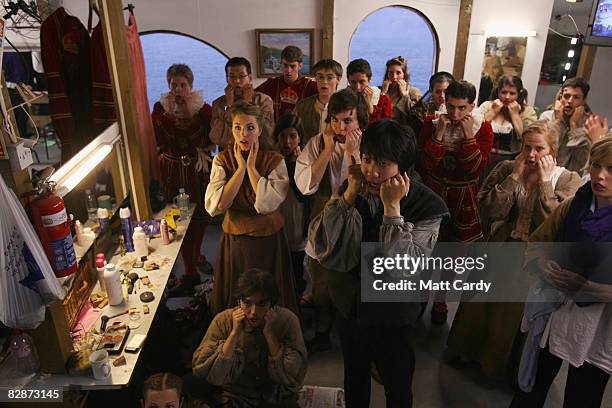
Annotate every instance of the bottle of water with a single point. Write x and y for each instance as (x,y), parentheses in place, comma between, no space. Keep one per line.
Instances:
(24,351)
(92,205)
(182,202)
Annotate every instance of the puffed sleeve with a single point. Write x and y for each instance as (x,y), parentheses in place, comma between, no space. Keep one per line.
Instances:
(334,236)
(288,367)
(303,167)
(548,199)
(496,196)
(214,190)
(404,237)
(272,190)
(209,362)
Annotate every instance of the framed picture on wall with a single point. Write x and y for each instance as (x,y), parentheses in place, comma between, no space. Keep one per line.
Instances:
(270,43)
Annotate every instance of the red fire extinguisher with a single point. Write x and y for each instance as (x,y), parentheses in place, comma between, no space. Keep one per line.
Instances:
(52,225)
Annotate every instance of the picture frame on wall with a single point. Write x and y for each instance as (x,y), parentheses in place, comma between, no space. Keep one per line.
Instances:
(270,43)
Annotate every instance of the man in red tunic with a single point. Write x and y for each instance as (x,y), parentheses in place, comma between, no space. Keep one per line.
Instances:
(181,120)
(454,150)
(291,87)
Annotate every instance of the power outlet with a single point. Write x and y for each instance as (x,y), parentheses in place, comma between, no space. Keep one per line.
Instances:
(20,156)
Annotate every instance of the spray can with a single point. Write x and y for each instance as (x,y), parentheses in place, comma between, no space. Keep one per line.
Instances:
(126,225)
(103,218)
(100,266)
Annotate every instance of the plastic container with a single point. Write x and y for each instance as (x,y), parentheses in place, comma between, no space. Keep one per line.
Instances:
(182,202)
(24,351)
(91,205)
(112,280)
(100,267)
(165,234)
(126,226)
(140,243)
(103,218)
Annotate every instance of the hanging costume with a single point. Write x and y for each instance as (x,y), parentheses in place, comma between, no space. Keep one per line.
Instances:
(65,53)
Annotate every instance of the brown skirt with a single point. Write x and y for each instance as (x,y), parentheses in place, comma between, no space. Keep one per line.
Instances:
(238,253)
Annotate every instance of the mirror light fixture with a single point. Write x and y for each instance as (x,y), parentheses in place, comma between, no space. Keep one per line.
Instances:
(506,31)
(81,164)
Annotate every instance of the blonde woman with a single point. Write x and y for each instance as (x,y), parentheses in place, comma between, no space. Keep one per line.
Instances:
(516,198)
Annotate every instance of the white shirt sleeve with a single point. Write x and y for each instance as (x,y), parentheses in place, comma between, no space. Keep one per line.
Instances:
(272,190)
(303,166)
(548,115)
(215,188)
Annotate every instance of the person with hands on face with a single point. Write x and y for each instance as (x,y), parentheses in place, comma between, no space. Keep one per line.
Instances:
(181,121)
(432,103)
(320,170)
(239,88)
(570,115)
(573,322)
(378,203)
(288,136)
(396,85)
(313,110)
(359,75)
(162,390)
(454,150)
(597,127)
(253,354)
(509,114)
(515,199)
(248,183)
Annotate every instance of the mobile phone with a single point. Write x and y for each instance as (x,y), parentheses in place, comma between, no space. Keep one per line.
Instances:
(135,343)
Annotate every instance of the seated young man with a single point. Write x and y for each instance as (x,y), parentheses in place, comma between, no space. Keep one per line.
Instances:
(320,170)
(254,354)
(452,154)
(313,110)
(239,88)
(569,115)
(379,203)
(288,89)
(162,390)
(359,75)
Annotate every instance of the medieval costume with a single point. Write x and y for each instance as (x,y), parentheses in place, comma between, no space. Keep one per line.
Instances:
(489,332)
(374,332)
(574,144)
(253,235)
(251,377)
(451,168)
(285,96)
(177,139)
(66,58)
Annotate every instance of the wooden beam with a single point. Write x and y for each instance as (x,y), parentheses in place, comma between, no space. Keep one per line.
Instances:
(327,40)
(587,58)
(463,33)
(113,26)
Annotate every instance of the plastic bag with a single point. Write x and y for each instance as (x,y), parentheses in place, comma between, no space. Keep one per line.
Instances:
(27,282)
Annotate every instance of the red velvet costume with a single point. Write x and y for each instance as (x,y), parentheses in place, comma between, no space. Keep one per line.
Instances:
(382,109)
(285,95)
(65,55)
(454,176)
(177,140)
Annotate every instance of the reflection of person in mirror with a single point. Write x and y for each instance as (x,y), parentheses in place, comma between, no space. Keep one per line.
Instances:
(181,120)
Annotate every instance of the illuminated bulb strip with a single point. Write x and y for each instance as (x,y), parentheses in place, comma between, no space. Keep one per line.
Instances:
(509,32)
(79,173)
